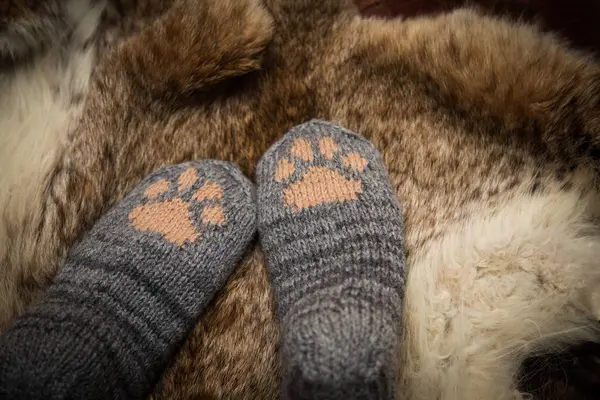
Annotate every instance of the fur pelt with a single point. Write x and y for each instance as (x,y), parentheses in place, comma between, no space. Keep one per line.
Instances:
(575,20)
(490,130)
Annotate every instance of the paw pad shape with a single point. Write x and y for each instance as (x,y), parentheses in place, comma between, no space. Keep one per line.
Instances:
(324,176)
(168,213)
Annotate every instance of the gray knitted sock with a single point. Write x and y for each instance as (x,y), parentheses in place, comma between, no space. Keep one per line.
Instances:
(133,288)
(332,232)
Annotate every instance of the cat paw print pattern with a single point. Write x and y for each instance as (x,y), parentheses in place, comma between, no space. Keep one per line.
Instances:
(183,205)
(326,167)
(180,209)
(323,174)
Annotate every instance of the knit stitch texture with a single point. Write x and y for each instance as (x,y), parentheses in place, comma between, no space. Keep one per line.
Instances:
(133,288)
(332,231)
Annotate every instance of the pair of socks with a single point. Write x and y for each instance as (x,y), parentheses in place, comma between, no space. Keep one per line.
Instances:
(134,286)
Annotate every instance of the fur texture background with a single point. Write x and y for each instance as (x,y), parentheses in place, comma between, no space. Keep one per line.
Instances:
(575,373)
(575,20)
(572,374)
(489,128)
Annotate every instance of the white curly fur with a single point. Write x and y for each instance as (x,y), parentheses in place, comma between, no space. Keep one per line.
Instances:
(520,279)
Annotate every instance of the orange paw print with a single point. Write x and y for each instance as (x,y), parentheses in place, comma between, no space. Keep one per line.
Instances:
(320,183)
(172,216)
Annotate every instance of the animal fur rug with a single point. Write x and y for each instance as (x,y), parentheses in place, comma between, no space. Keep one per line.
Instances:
(490,130)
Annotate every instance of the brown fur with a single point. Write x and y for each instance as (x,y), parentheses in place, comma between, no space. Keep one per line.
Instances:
(41,19)
(576,20)
(29,27)
(468,112)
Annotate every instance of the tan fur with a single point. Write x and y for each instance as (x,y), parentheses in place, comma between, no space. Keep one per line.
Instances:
(28,26)
(490,131)
(40,102)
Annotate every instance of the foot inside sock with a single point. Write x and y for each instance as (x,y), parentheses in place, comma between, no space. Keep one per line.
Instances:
(133,287)
(331,229)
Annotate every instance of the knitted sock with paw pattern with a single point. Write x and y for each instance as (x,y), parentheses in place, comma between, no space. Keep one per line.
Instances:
(133,288)
(332,232)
